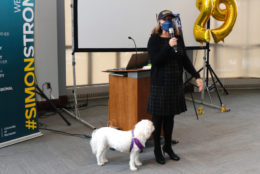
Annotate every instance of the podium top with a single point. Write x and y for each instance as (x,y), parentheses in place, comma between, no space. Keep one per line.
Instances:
(126,70)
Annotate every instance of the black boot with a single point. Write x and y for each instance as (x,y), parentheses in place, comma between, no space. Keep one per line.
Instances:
(157,122)
(171,153)
(159,156)
(168,128)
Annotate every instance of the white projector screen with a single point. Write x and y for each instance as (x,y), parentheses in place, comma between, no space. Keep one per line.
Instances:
(104,25)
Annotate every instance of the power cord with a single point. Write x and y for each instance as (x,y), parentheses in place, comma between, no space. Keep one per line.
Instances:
(84,136)
(45,114)
(83,106)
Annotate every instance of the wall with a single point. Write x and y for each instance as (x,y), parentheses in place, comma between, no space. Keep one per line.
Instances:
(50,51)
(61,47)
(238,56)
(225,59)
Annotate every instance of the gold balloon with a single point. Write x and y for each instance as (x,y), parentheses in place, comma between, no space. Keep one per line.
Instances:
(202,34)
(218,13)
(212,8)
(227,15)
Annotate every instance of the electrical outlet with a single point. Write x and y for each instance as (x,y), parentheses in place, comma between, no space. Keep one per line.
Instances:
(48,85)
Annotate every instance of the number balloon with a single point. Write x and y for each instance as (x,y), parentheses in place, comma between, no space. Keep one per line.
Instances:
(217,13)
(212,8)
(200,32)
(227,15)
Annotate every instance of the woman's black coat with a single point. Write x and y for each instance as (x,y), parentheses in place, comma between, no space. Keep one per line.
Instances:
(166,92)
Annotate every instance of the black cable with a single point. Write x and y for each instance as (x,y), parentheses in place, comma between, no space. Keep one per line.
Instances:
(97,106)
(73,107)
(42,125)
(83,106)
(45,114)
(84,136)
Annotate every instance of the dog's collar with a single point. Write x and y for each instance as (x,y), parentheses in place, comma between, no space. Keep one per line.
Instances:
(135,141)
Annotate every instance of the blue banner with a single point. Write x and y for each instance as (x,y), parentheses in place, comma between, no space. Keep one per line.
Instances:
(18,112)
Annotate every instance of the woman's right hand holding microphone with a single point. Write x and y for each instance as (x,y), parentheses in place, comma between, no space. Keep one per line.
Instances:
(173,42)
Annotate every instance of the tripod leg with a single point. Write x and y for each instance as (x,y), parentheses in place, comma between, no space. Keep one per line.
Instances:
(218,80)
(52,104)
(192,96)
(203,78)
(194,106)
(214,83)
(207,78)
(188,80)
(209,94)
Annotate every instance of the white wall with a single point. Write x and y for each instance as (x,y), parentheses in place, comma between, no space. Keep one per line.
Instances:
(49,54)
(61,47)
(238,56)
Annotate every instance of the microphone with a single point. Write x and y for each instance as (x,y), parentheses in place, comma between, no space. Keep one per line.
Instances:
(171,31)
(129,37)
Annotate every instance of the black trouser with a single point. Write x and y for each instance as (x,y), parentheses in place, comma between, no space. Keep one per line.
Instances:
(167,122)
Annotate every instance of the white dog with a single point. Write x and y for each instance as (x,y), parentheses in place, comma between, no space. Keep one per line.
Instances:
(124,141)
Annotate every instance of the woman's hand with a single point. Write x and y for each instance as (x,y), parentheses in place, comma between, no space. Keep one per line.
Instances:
(199,82)
(173,41)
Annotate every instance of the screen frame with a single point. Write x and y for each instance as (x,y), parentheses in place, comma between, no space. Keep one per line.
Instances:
(77,49)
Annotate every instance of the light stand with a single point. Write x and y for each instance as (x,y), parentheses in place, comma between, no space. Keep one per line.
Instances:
(76,113)
(214,78)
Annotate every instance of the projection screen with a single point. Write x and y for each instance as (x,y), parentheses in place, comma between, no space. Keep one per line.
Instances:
(104,25)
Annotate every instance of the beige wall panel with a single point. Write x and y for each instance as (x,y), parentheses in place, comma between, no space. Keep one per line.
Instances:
(254,63)
(254,22)
(101,62)
(124,58)
(68,28)
(81,68)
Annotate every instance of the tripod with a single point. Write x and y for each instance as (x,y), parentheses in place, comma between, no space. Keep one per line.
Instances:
(41,93)
(207,69)
(76,113)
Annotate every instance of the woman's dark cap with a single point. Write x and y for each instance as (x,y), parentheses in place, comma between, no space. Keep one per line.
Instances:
(165,13)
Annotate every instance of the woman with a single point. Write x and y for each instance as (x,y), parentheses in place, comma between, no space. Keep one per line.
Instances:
(166,94)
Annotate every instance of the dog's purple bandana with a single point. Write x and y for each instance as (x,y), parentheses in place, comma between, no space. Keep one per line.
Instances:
(136,141)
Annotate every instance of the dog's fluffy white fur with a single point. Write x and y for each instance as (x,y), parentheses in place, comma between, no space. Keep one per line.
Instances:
(106,137)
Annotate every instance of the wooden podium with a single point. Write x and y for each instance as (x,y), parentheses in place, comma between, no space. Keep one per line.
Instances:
(128,96)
